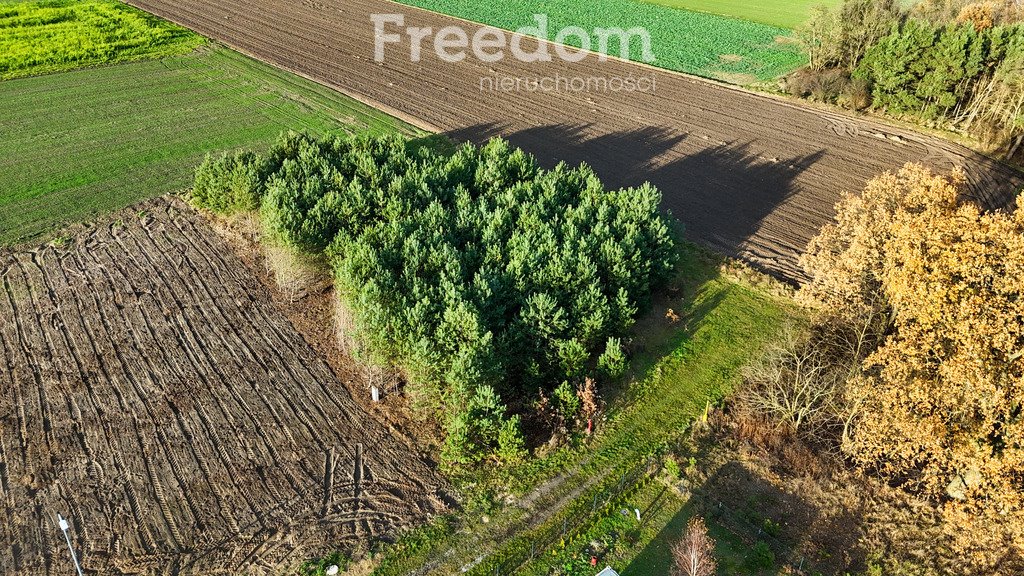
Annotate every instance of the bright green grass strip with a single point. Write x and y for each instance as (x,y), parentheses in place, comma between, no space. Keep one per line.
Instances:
(85,142)
(781,13)
(729,49)
(44,36)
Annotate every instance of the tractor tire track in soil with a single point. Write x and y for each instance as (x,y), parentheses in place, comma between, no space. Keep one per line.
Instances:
(156,396)
(751,176)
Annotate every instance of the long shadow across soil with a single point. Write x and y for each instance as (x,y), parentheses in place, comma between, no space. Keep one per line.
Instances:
(749,175)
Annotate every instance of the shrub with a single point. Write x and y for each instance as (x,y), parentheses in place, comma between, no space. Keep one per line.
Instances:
(771,527)
(760,558)
(794,384)
(672,468)
(511,447)
(612,361)
(799,83)
(566,403)
(982,15)
(228,184)
(856,94)
(830,85)
(478,427)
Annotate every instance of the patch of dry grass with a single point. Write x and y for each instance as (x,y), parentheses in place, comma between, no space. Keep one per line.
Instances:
(295,273)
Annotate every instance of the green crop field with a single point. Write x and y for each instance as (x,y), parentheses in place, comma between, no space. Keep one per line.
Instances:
(80,143)
(729,49)
(781,13)
(43,36)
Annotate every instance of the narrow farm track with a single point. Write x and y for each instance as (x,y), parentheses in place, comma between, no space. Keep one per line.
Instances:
(156,397)
(749,175)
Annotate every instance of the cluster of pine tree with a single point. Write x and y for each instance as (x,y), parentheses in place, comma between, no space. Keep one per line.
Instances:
(488,279)
(947,63)
(936,72)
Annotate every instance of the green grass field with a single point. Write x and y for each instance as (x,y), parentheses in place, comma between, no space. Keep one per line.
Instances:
(42,36)
(729,49)
(88,141)
(781,13)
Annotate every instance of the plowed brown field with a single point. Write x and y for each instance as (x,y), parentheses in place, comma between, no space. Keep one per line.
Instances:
(749,175)
(155,396)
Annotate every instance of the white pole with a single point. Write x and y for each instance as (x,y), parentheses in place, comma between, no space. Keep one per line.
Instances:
(64,528)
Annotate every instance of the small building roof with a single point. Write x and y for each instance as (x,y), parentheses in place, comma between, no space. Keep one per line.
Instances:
(607,572)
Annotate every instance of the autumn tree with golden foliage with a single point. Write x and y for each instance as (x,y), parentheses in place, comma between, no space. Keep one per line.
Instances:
(940,401)
(981,14)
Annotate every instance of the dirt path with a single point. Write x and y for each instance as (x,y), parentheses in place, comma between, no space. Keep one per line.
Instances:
(749,175)
(155,396)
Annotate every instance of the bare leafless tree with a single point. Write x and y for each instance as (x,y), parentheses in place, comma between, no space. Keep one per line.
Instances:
(794,383)
(800,380)
(694,554)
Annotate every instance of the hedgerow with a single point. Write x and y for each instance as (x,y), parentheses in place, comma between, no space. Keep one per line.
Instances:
(484,276)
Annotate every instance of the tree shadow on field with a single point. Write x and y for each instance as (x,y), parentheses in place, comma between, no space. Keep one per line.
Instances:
(758,529)
(619,158)
(721,192)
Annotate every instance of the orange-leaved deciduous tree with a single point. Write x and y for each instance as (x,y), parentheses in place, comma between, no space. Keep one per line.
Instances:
(694,554)
(981,14)
(940,399)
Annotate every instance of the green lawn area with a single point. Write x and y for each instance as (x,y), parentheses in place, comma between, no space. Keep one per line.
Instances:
(781,13)
(730,49)
(88,141)
(683,366)
(41,36)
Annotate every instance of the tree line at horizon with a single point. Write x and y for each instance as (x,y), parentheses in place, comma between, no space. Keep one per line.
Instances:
(952,64)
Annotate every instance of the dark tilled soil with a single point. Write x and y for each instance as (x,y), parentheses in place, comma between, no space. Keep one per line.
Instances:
(748,175)
(155,396)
